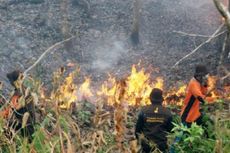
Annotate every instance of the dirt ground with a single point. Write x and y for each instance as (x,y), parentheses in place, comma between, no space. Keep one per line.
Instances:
(101,30)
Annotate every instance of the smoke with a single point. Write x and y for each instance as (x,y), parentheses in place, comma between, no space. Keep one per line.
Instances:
(107,53)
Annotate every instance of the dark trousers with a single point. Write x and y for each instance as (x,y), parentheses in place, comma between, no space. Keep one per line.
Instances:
(198,121)
(27,131)
(202,121)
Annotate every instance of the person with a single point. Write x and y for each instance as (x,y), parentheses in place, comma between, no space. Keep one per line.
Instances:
(17,111)
(195,97)
(154,121)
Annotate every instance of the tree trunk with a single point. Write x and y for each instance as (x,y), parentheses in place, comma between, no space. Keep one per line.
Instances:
(64,11)
(65,26)
(225,53)
(224,11)
(135,29)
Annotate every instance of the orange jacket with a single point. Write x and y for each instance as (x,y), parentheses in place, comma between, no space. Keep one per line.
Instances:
(14,104)
(194,90)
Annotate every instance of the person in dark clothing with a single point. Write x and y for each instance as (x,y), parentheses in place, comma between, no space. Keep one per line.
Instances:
(16,112)
(154,121)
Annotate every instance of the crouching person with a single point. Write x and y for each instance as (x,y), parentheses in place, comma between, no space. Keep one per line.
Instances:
(21,116)
(154,121)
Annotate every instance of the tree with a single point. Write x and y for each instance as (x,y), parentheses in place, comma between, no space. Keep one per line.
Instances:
(135,27)
(64,9)
(225,12)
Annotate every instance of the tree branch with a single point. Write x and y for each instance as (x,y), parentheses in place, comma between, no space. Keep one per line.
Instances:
(226,72)
(214,35)
(196,35)
(223,11)
(45,52)
(224,51)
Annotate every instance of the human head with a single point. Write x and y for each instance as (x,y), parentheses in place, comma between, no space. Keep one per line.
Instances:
(13,76)
(156,96)
(200,70)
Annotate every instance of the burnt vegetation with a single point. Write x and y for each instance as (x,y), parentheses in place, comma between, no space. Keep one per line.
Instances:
(89,65)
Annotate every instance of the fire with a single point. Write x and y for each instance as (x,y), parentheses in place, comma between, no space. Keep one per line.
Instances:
(211,89)
(108,90)
(85,90)
(133,90)
(227,92)
(67,92)
(175,96)
(159,83)
(136,86)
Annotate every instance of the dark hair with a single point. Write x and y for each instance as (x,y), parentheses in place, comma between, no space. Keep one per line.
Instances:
(156,96)
(13,76)
(200,70)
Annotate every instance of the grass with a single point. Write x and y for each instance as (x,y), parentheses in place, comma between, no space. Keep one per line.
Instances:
(94,129)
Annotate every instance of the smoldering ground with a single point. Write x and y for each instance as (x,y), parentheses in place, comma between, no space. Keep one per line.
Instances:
(102,37)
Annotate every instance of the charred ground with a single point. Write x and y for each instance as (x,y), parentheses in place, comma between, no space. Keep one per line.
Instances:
(101,30)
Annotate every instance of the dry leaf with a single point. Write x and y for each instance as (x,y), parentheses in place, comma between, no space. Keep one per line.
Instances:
(25,119)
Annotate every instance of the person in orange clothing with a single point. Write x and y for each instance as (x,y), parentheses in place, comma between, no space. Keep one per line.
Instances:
(195,95)
(16,111)
(7,111)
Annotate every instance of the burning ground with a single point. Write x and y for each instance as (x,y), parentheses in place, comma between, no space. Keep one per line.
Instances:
(135,89)
(98,76)
(79,117)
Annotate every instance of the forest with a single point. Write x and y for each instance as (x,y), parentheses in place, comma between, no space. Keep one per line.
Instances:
(80,76)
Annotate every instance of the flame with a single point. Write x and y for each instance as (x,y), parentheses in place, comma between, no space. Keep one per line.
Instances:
(211,89)
(133,90)
(159,83)
(84,90)
(227,92)
(138,87)
(180,93)
(67,92)
(211,82)
(176,96)
(108,90)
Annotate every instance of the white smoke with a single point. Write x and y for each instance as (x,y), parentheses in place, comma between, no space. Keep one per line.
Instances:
(107,53)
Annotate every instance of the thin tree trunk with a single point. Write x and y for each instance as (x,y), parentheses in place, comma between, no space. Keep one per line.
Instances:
(65,25)
(64,11)
(224,11)
(136,17)
(225,47)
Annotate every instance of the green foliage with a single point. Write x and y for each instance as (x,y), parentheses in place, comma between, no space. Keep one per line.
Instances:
(110,140)
(212,136)
(63,123)
(191,140)
(84,116)
(84,112)
(39,142)
(57,130)
(222,131)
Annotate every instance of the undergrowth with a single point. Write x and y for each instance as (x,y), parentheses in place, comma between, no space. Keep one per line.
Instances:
(87,127)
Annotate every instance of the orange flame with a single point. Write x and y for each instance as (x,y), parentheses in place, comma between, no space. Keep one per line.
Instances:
(133,90)
(137,88)
(176,96)
(85,90)
(211,89)
(67,92)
